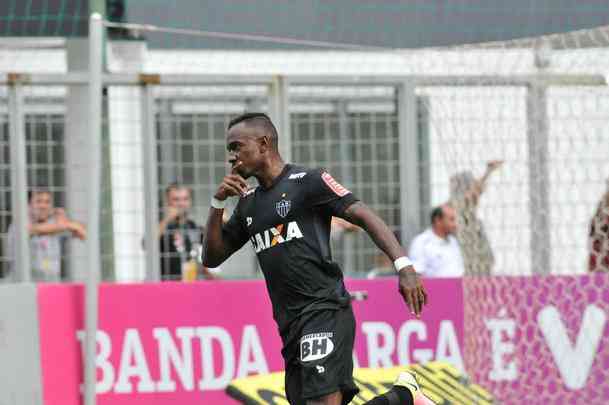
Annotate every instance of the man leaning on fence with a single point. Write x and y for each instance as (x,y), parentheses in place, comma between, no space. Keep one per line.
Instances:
(48,228)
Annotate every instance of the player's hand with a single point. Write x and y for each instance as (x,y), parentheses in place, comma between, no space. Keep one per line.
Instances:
(232,185)
(412,290)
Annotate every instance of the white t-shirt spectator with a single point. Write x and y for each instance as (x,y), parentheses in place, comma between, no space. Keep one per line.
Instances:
(434,256)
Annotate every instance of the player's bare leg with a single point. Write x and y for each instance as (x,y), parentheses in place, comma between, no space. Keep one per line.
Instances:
(405,391)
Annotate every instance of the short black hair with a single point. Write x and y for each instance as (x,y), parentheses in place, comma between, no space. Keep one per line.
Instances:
(38,190)
(260,120)
(436,213)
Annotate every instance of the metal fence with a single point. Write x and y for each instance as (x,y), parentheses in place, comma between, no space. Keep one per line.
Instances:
(391,144)
(394,140)
(44,152)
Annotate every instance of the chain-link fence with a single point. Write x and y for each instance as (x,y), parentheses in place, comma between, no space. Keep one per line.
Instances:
(5,187)
(44,143)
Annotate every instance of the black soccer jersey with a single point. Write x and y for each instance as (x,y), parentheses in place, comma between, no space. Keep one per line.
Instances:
(288,225)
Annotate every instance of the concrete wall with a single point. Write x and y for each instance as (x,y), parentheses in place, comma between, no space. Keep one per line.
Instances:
(20,373)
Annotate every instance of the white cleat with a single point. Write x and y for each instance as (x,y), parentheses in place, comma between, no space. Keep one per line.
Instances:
(408,380)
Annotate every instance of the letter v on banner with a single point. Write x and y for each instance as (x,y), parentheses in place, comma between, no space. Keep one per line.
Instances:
(574,361)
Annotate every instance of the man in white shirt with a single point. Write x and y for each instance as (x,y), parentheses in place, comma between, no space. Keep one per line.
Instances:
(436,252)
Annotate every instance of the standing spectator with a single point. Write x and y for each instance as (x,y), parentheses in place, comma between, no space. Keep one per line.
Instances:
(599,236)
(465,192)
(48,228)
(436,252)
(180,237)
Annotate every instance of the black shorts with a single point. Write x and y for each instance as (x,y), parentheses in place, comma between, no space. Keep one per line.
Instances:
(319,361)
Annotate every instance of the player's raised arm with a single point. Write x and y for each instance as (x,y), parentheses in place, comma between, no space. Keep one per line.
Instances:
(220,241)
(410,285)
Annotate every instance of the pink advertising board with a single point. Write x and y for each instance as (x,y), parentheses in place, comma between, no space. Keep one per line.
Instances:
(183,343)
(539,340)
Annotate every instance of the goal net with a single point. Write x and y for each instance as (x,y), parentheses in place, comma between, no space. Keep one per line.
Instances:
(526,169)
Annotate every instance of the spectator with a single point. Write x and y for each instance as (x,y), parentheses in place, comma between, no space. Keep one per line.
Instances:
(48,229)
(599,236)
(465,192)
(180,238)
(436,252)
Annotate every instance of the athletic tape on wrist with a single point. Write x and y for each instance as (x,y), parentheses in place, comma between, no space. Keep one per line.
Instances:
(217,204)
(401,262)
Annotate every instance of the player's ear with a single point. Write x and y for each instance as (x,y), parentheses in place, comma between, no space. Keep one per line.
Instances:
(265,144)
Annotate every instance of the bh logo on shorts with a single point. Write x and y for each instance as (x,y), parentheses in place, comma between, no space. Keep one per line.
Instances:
(316,346)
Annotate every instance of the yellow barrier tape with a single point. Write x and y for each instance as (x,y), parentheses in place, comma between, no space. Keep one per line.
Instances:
(440,381)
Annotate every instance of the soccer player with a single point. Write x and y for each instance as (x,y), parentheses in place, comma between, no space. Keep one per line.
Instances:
(287,221)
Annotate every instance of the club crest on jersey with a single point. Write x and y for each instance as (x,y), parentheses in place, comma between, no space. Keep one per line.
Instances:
(283,207)
(275,235)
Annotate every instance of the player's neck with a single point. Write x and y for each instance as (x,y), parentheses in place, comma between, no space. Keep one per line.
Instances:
(272,170)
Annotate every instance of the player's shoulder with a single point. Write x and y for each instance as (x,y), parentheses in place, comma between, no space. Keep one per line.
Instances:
(314,178)
(246,198)
(300,173)
(250,192)
(301,176)
(306,174)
